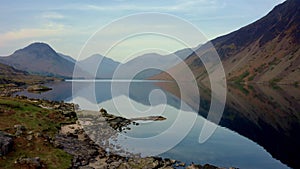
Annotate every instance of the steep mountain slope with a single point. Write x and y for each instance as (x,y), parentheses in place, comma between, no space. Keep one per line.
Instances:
(39,58)
(266,51)
(69,58)
(267,116)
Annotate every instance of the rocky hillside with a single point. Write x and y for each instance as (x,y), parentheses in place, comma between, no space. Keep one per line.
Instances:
(10,76)
(266,51)
(41,59)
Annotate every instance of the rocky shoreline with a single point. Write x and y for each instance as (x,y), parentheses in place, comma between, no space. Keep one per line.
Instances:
(71,138)
(88,155)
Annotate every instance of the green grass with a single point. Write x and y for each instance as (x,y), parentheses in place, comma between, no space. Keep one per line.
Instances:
(241,78)
(296,84)
(38,120)
(241,87)
(273,83)
(251,77)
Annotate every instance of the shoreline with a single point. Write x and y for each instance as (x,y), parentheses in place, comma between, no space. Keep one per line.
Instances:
(71,138)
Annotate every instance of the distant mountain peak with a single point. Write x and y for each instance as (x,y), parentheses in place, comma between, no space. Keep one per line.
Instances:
(40,58)
(40,44)
(36,47)
(38,50)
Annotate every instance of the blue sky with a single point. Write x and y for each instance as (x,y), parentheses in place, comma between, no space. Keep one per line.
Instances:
(67,25)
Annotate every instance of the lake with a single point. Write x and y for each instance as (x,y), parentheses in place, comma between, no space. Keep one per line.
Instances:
(259,127)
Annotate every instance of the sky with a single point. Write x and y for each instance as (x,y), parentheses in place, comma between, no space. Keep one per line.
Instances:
(69,25)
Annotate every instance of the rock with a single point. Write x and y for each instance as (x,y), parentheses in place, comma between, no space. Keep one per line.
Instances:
(19,129)
(155,164)
(168,167)
(194,166)
(6,143)
(85,167)
(29,162)
(168,162)
(149,118)
(208,166)
(38,88)
(182,164)
(114,164)
(103,111)
(36,135)
(82,150)
(57,106)
(29,137)
(173,161)
(70,114)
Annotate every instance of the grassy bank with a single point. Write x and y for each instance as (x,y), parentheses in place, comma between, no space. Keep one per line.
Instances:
(34,140)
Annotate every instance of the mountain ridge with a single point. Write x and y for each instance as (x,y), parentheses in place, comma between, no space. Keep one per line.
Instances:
(265,51)
(11,77)
(97,66)
(39,58)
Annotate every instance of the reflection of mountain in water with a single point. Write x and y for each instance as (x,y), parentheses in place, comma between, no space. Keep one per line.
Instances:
(137,91)
(268,116)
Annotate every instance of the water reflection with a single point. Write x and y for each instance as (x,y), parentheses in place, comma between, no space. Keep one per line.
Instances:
(270,117)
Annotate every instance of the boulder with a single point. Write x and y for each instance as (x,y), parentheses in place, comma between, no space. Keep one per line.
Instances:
(29,162)
(6,143)
(19,129)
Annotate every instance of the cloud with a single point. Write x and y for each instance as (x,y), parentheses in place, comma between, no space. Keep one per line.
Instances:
(27,33)
(53,15)
(179,6)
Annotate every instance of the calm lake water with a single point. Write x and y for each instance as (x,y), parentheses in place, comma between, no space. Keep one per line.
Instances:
(259,127)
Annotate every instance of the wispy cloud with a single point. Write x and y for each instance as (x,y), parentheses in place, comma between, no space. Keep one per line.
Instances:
(27,33)
(179,6)
(52,15)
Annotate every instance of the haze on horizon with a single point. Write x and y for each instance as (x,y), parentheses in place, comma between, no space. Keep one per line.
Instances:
(67,25)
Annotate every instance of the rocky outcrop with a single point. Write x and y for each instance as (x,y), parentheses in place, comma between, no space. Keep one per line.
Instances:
(9,90)
(149,118)
(6,143)
(24,162)
(38,88)
(19,129)
(89,153)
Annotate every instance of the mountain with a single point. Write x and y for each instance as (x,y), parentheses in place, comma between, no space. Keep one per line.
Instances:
(69,58)
(15,77)
(150,64)
(268,117)
(102,67)
(41,59)
(266,51)
(98,65)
